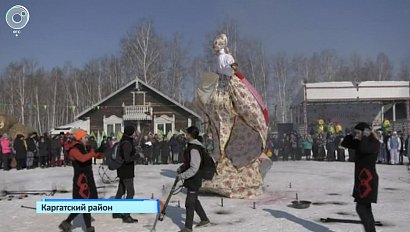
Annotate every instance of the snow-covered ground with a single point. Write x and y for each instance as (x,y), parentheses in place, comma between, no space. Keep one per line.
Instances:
(327,184)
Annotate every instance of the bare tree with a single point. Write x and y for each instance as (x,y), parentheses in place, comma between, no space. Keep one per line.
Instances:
(280,72)
(384,68)
(176,70)
(330,64)
(255,66)
(404,73)
(141,53)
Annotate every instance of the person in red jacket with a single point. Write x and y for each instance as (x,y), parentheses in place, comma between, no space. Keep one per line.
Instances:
(83,182)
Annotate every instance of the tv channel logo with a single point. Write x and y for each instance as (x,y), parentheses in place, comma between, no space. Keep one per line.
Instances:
(17,17)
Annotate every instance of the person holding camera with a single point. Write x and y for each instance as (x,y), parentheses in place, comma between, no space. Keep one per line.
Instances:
(189,173)
(366,181)
(126,172)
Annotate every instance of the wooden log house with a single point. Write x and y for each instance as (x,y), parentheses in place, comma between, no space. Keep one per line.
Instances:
(141,105)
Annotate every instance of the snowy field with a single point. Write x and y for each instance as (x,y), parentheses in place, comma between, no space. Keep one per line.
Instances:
(327,184)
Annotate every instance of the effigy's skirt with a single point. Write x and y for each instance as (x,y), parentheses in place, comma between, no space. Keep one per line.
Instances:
(239,130)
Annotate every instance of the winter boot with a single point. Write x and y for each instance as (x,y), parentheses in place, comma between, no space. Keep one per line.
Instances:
(117,215)
(90,229)
(128,219)
(203,223)
(65,226)
(186,230)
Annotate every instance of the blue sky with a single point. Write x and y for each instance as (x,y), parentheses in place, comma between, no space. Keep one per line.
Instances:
(76,31)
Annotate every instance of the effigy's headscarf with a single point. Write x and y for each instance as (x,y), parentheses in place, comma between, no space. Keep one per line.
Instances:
(220,43)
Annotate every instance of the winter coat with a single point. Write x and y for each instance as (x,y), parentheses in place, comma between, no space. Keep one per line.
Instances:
(31,145)
(5,146)
(93,144)
(55,147)
(366,180)
(43,148)
(173,142)
(408,147)
(394,143)
(330,145)
(164,149)
(307,143)
(83,181)
(128,153)
(103,146)
(156,148)
(338,141)
(192,162)
(20,148)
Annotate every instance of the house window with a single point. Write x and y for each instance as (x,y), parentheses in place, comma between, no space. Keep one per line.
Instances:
(112,125)
(164,124)
(110,130)
(113,129)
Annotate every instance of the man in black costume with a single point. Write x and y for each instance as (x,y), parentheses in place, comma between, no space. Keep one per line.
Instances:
(366,180)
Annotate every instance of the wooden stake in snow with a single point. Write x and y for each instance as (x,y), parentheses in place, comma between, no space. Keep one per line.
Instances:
(222,202)
(254,205)
(179,204)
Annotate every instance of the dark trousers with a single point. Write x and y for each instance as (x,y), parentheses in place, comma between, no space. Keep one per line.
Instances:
(331,155)
(341,154)
(307,153)
(192,204)
(21,163)
(401,157)
(125,185)
(86,216)
(43,160)
(6,158)
(364,210)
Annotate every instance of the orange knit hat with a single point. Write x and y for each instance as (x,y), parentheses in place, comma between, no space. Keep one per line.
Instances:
(79,134)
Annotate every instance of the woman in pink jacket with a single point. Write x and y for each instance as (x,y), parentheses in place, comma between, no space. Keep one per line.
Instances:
(5,151)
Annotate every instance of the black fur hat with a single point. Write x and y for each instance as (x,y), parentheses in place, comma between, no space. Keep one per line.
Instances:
(193,131)
(129,130)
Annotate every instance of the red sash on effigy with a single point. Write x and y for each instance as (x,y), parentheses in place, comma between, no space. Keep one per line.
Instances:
(255,94)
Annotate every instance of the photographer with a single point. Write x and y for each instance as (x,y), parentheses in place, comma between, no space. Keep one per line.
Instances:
(366,146)
(189,172)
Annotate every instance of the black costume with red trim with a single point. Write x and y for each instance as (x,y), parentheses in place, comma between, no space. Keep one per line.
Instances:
(366,180)
(83,181)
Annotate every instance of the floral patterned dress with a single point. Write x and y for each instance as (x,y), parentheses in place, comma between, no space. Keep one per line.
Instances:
(238,122)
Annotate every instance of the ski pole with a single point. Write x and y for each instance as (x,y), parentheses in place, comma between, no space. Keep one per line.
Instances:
(27,207)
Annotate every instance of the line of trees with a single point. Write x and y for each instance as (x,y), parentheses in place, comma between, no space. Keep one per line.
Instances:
(45,99)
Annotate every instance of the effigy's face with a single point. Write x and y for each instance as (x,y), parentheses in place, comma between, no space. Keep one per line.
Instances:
(218,45)
(2,122)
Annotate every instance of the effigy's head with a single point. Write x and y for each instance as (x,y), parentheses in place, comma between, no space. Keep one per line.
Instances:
(220,42)
(6,122)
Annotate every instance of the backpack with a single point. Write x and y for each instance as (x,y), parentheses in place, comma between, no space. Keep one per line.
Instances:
(113,157)
(208,167)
